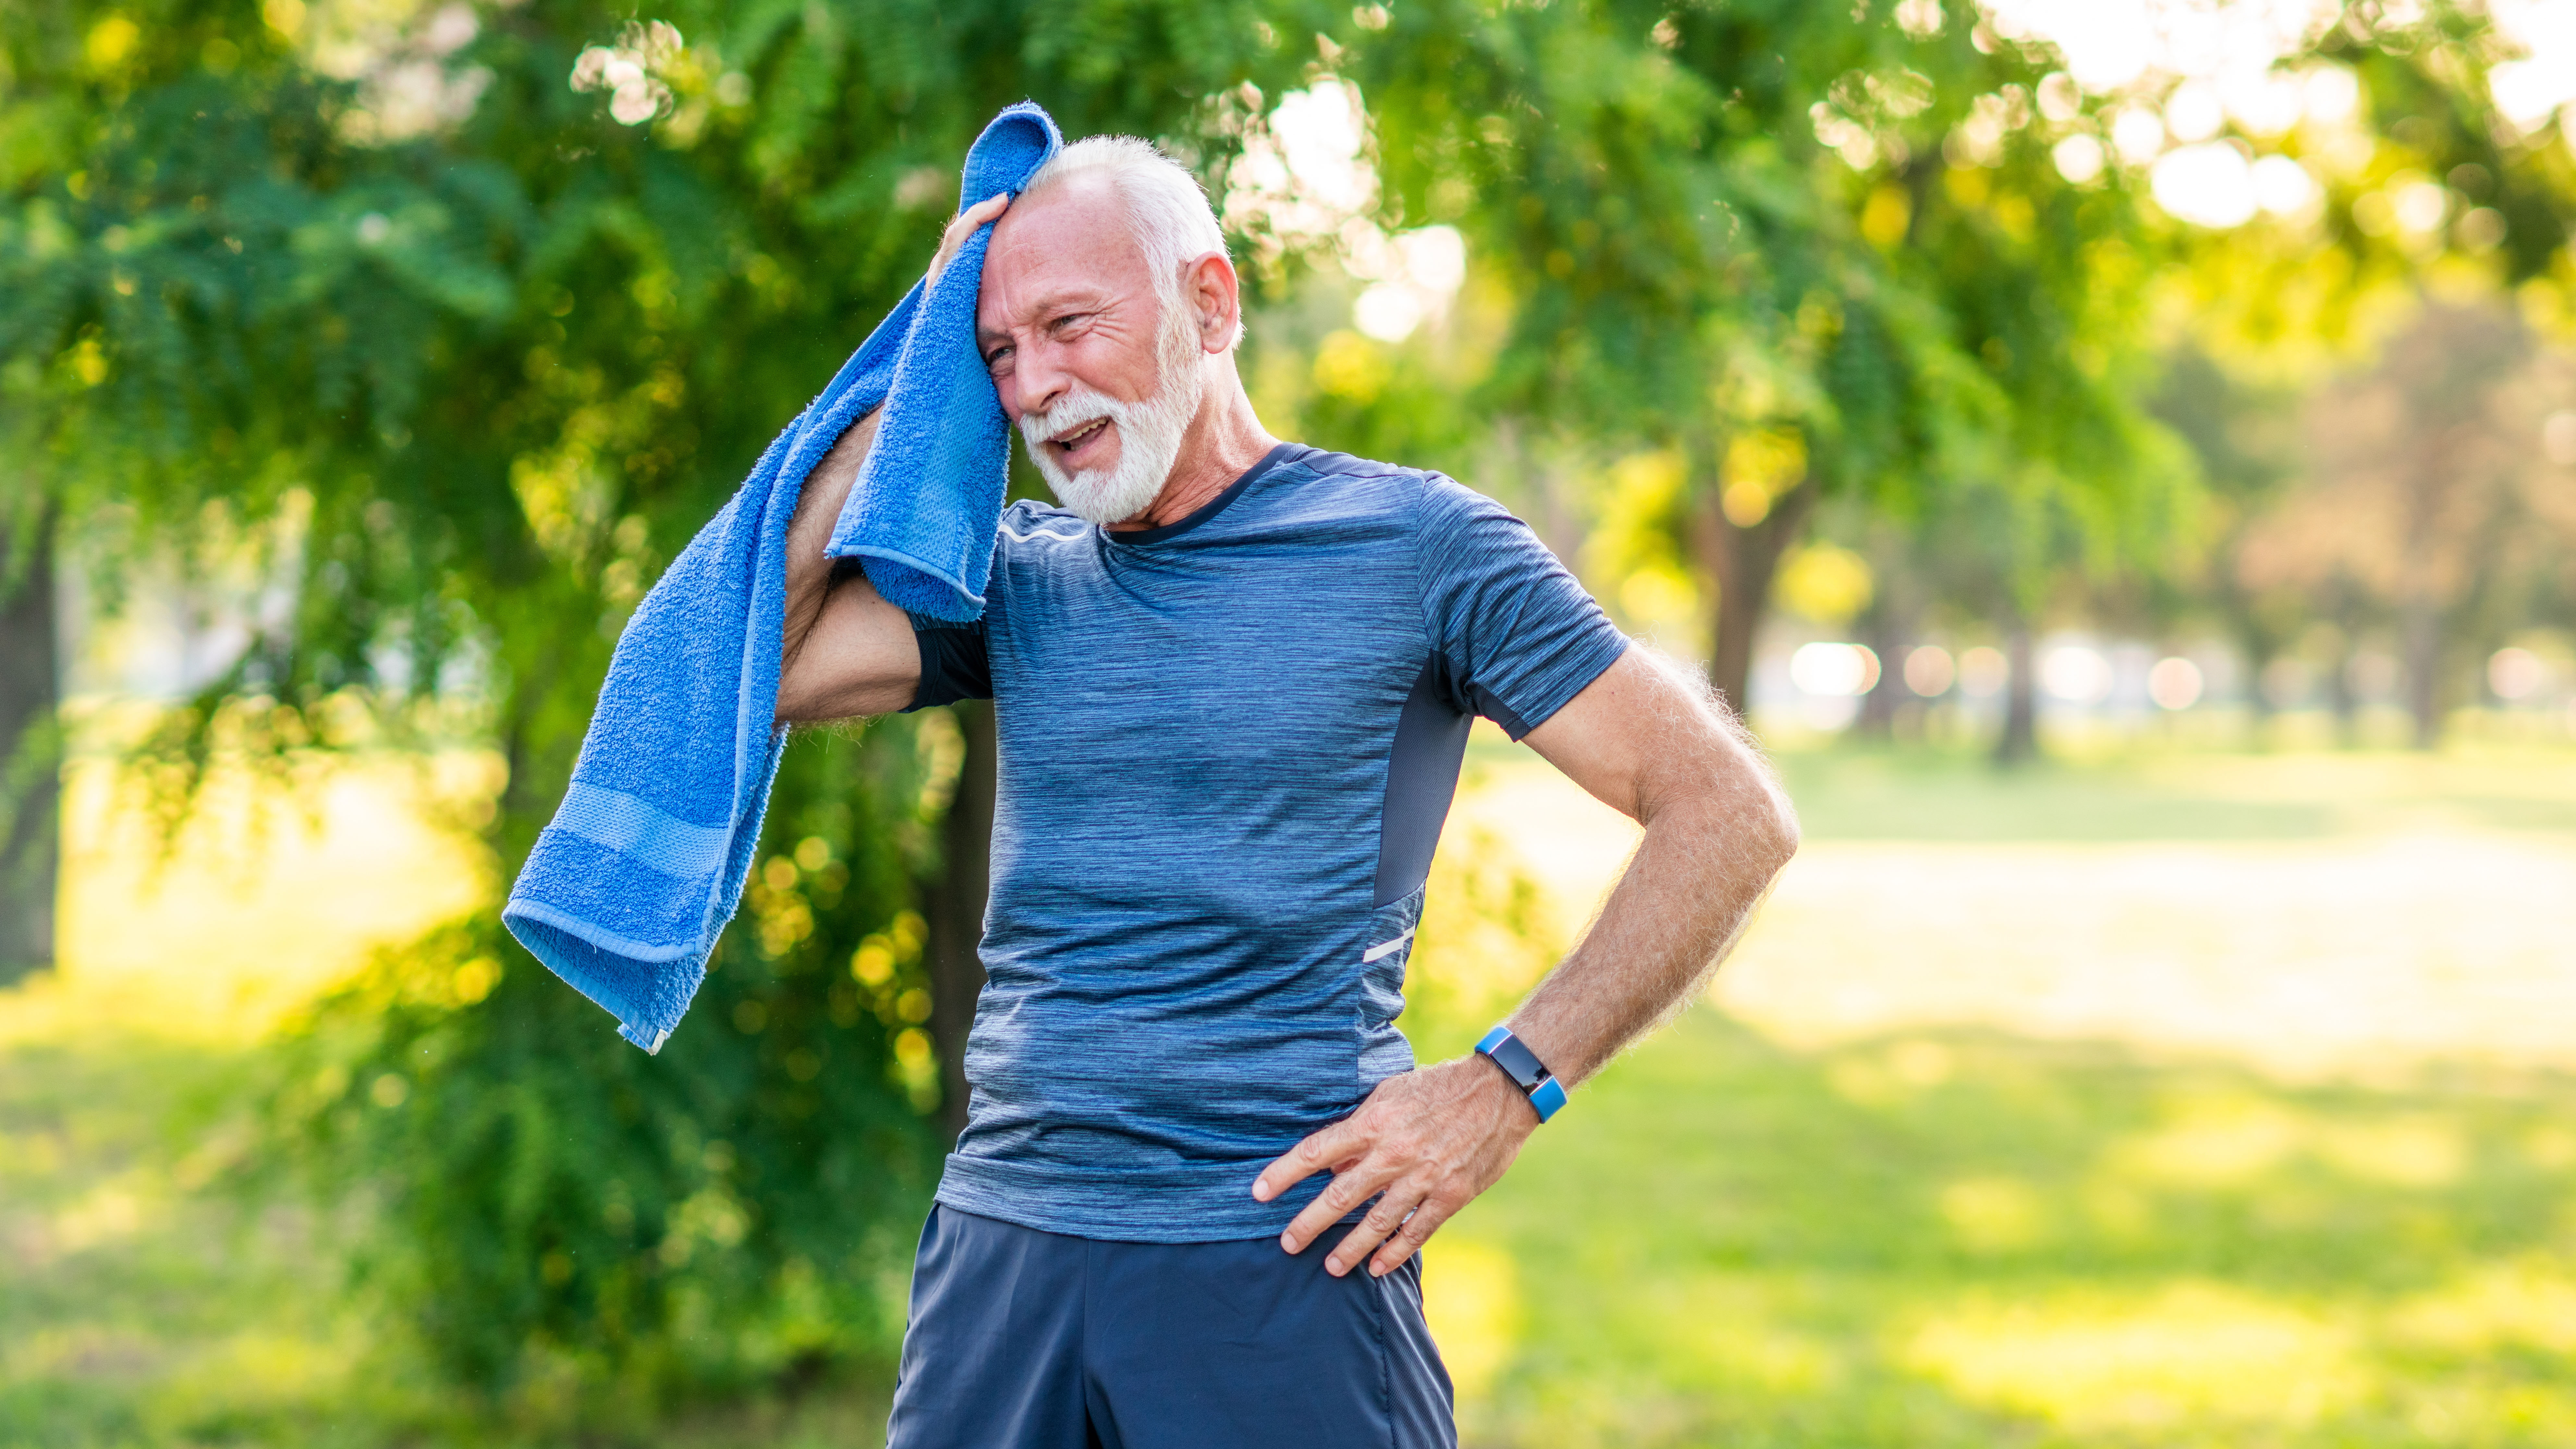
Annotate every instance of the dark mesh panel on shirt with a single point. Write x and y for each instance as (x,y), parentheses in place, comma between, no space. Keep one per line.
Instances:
(1421,777)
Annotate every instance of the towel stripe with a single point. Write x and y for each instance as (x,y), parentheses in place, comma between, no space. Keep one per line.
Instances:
(641,833)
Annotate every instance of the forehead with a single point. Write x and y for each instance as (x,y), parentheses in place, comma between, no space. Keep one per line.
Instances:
(1074,240)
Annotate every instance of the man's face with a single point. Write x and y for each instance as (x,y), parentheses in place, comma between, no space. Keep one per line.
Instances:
(1069,309)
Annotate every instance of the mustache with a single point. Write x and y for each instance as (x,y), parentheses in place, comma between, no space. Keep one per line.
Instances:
(1075,409)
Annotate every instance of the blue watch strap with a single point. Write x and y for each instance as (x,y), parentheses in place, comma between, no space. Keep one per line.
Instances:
(1549,1096)
(1546,1094)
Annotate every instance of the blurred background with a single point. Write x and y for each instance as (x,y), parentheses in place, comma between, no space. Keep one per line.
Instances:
(2121,455)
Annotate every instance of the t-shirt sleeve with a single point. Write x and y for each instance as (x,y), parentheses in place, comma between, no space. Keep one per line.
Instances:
(955,663)
(1514,632)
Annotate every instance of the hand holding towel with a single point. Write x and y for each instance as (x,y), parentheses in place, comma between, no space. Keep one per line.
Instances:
(626,892)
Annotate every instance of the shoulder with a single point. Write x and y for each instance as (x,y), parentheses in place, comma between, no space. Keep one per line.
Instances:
(1446,504)
(1440,517)
(1432,496)
(1325,463)
(1364,485)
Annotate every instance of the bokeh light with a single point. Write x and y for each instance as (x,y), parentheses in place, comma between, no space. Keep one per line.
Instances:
(2077,674)
(2174,683)
(2558,437)
(2208,185)
(2516,674)
(1833,670)
(1929,670)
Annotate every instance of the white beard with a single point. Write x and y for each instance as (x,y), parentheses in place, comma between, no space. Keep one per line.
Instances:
(1149,433)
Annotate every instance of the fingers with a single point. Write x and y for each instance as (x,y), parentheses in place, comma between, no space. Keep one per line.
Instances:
(1394,1206)
(1316,1154)
(1352,1184)
(1339,1149)
(1419,1149)
(954,238)
(1418,1228)
(981,212)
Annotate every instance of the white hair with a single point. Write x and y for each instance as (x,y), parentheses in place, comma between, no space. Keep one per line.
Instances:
(1168,211)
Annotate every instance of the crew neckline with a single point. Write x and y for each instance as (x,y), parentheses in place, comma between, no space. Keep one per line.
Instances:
(1165,532)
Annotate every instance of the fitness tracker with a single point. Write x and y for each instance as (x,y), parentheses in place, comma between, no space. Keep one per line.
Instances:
(1527,1072)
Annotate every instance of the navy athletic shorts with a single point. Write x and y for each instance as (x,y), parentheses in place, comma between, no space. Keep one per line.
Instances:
(1022,1339)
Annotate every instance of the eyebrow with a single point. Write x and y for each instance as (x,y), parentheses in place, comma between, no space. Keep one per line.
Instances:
(1051,306)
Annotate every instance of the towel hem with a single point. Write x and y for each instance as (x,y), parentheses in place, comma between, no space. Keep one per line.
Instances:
(892,555)
(580,929)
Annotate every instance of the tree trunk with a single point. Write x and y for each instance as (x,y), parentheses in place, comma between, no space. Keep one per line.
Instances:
(31,757)
(1744,559)
(2019,742)
(956,915)
(1885,634)
(2260,646)
(2420,625)
(2340,695)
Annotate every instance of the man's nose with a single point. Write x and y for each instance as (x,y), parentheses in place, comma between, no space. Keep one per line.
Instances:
(1038,377)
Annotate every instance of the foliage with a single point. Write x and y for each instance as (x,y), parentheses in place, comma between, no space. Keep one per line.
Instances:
(399,295)
(1742,1242)
(1485,940)
(559,1205)
(2421,185)
(2424,504)
(1811,252)
(457,322)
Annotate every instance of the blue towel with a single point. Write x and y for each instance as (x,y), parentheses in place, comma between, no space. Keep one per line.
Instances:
(626,892)
(928,549)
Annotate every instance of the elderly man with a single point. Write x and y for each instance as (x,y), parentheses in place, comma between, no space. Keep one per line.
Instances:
(1233,679)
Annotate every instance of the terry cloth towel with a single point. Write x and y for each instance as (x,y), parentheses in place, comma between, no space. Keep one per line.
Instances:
(920,518)
(626,892)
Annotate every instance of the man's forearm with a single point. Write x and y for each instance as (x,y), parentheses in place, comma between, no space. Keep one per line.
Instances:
(1678,908)
(1643,740)
(1648,741)
(809,572)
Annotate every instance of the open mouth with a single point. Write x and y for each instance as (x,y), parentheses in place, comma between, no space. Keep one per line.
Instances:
(1074,441)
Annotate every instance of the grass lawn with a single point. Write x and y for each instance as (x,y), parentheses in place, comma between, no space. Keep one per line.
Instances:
(2166,1099)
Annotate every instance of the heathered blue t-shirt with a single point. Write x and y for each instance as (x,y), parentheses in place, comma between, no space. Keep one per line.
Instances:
(1227,746)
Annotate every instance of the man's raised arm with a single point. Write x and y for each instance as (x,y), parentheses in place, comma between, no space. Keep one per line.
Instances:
(1718,828)
(844,650)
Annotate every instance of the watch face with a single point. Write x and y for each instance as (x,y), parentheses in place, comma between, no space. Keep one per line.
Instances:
(1515,1058)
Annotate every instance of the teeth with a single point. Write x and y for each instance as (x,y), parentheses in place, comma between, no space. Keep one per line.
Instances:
(1075,440)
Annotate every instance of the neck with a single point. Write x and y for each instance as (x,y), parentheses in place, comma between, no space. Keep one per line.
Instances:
(1224,440)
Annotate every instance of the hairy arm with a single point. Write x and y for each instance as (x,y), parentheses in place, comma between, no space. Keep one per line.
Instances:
(844,650)
(1657,749)
(1649,743)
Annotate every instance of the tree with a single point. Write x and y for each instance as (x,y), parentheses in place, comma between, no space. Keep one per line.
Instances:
(1753,235)
(30,746)
(2410,187)
(2425,495)
(2245,438)
(472,317)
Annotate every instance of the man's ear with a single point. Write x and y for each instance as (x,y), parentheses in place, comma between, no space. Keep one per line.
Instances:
(1217,293)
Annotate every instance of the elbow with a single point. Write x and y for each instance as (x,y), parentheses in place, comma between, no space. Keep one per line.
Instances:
(792,707)
(1775,832)
(1761,821)
(1745,815)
